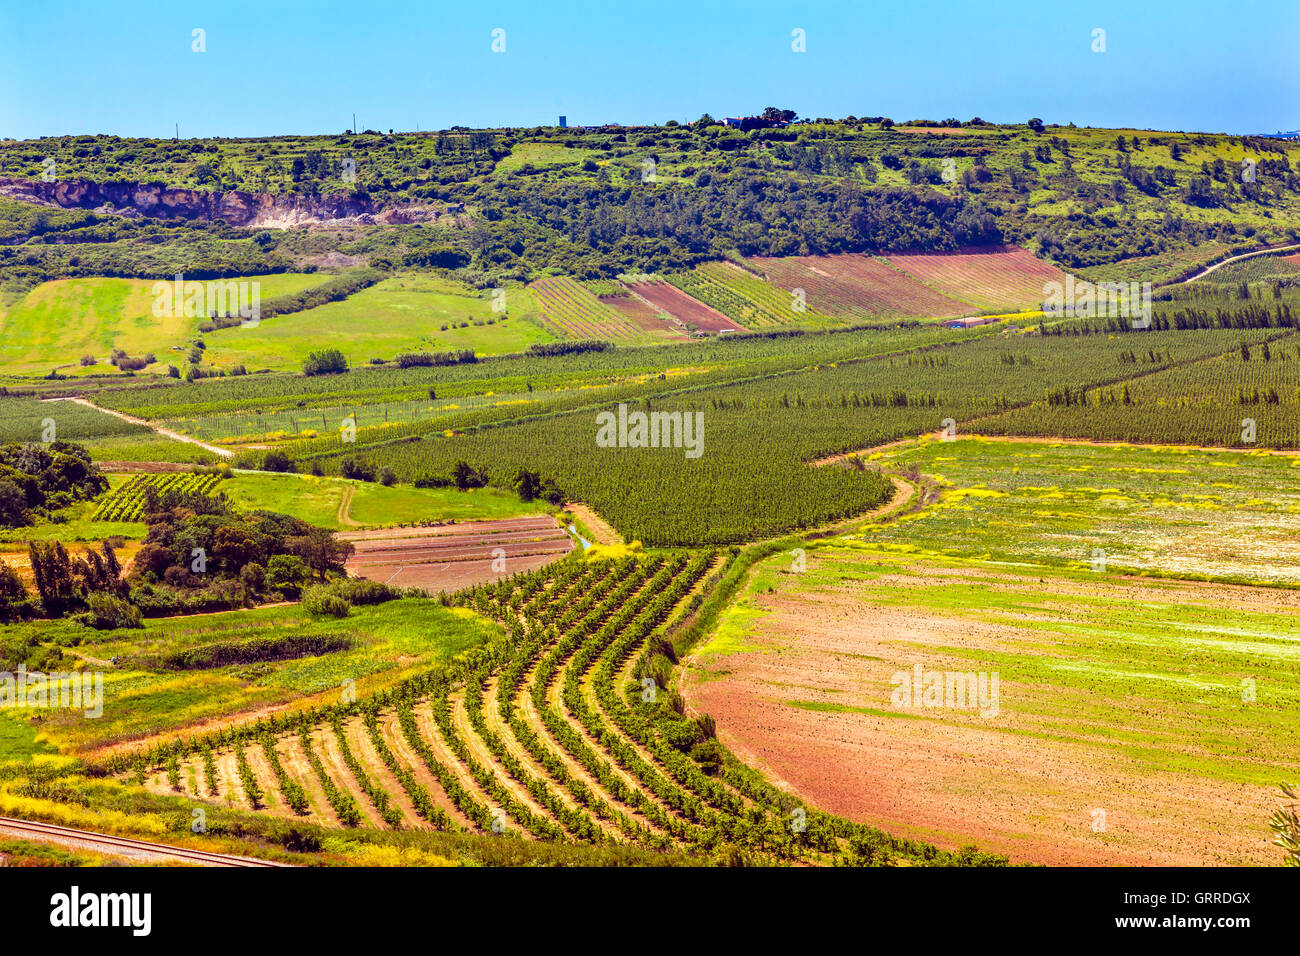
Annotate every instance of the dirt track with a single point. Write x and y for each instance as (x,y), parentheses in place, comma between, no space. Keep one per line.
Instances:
(164,432)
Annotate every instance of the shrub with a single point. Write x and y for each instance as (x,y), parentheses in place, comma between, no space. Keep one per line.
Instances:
(359,591)
(325,362)
(358,468)
(276,460)
(321,600)
(106,612)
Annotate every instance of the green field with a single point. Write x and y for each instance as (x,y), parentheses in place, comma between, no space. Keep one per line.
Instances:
(1168,511)
(58,322)
(318,500)
(405,313)
(1111,692)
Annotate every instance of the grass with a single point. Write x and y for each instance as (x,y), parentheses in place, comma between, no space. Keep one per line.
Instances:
(317,500)
(20,738)
(403,314)
(58,322)
(542,154)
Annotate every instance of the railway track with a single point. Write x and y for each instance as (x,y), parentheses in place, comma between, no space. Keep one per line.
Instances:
(122,846)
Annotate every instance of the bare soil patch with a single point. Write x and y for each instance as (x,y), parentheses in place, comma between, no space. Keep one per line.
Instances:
(451,557)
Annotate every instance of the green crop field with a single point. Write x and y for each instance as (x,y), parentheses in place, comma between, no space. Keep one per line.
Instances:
(408,313)
(385,644)
(59,322)
(319,501)
(1166,510)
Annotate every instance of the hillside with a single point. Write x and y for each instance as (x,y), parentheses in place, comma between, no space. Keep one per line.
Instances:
(606,200)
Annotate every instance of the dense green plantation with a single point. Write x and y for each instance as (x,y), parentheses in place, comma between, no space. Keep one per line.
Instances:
(751,478)
(386,404)
(1246,397)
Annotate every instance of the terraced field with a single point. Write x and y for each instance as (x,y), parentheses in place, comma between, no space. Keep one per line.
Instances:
(563,730)
(688,312)
(645,317)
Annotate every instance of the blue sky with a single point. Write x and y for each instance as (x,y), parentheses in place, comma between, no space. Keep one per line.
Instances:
(305,67)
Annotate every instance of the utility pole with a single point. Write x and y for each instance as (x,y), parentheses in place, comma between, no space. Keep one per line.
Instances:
(178,132)
(355,131)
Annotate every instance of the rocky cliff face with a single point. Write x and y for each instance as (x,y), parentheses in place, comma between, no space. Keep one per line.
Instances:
(237,208)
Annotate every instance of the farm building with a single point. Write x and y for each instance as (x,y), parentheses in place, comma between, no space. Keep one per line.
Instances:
(971,321)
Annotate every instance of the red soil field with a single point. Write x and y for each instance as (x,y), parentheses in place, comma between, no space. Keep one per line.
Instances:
(996,277)
(451,557)
(859,286)
(670,299)
(642,316)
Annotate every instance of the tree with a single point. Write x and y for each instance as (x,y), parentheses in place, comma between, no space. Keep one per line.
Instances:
(1036,125)
(55,580)
(465,476)
(528,484)
(774,115)
(13,505)
(321,551)
(276,460)
(15,602)
(552,492)
(286,572)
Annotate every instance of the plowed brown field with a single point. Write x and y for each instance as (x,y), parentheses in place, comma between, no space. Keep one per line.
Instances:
(858,286)
(450,557)
(674,301)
